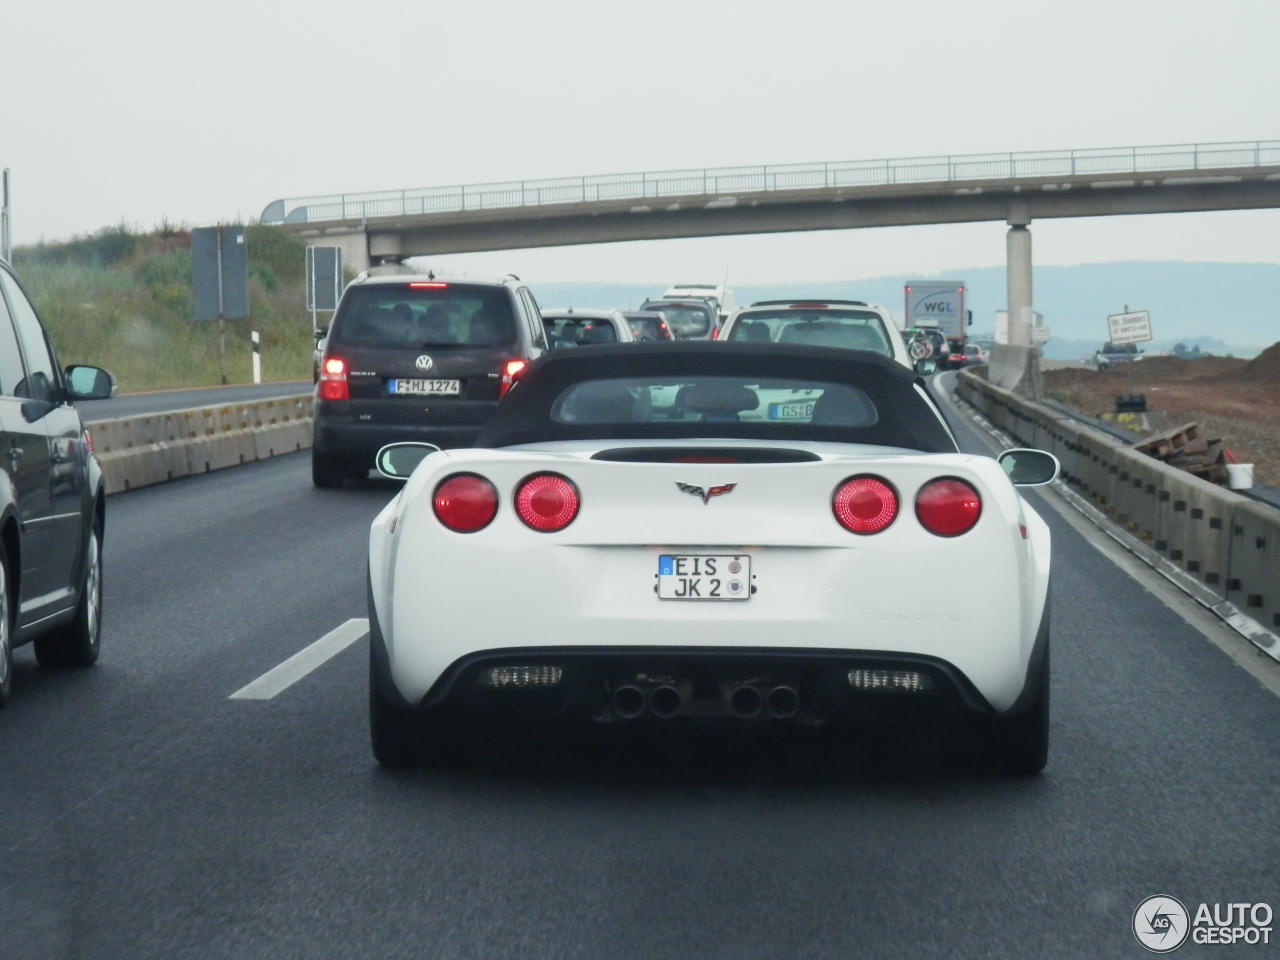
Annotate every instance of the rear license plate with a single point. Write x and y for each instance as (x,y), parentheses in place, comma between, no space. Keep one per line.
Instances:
(801,410)
(687,576)
(425,388)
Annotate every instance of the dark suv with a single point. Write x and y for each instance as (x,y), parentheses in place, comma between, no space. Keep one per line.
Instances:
(417,358)
(688,319)
(51,496)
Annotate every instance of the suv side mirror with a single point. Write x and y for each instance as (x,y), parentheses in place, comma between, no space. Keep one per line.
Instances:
(924,367)
(89,383)
(1029,468)
(320,332)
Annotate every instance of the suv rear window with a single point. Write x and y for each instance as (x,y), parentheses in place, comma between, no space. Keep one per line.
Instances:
(848,329)
(711,399)
(418,315)
(684,319)
(581,330)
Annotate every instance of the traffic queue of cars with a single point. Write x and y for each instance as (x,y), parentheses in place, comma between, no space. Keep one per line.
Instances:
(611,520)
(674,517)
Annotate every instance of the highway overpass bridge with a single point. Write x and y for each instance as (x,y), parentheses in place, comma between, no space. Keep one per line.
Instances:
(1017,188)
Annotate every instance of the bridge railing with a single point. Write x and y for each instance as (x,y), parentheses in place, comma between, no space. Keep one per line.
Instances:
(730,181)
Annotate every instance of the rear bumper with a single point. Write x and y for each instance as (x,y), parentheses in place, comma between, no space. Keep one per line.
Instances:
(362,441)
(705,679)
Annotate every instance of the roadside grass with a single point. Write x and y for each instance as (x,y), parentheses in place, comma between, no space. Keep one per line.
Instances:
(123,300)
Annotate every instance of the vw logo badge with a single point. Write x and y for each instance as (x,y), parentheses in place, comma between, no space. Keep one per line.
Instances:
(424,363)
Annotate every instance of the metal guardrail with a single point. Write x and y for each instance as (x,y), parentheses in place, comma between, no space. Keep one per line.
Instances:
(720,181)
(1226,543)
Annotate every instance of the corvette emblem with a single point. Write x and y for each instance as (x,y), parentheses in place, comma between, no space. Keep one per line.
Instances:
(424,363)
(716,491)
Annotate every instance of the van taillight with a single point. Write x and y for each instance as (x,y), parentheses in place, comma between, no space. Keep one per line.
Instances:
(948,507)
(333,379)
(864,504)
(511,372)
(465,502)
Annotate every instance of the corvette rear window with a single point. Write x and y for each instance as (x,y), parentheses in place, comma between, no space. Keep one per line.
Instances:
(848,329)
(714,399)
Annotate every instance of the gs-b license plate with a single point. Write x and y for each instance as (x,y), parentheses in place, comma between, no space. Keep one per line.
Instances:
(425,388)
(688,576)
(797,410)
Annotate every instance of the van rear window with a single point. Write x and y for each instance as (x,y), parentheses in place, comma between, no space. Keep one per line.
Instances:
(396,315)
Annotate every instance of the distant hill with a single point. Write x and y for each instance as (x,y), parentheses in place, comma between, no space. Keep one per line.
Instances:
(1224,307)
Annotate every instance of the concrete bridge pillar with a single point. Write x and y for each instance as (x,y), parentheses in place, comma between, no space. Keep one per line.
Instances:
(1018,279)
(1016,365)
(354,245)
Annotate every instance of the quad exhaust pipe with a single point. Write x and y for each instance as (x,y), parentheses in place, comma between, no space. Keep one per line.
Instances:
(665,700)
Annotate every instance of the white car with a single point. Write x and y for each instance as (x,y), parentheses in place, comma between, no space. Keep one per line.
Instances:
(710,533)
(849,324)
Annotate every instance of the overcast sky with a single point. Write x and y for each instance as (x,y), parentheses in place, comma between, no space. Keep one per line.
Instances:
(195,111)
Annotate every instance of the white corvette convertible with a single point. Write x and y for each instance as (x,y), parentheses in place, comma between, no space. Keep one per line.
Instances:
(710,533)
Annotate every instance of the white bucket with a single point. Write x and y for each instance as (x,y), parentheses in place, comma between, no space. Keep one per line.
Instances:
(1239,476)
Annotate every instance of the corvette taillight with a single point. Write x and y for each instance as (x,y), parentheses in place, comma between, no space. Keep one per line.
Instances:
(864,504)
(333,379)
(547,502)
(948,507)
(465,502)
(511,372)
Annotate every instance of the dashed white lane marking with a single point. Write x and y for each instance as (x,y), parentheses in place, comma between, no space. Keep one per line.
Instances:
(303,662)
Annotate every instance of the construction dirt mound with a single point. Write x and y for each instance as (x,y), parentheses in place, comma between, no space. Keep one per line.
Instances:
(1165,369)
(1264,368)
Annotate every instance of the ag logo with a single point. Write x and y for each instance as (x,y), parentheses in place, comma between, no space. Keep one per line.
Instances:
(1161,924)
(424,363)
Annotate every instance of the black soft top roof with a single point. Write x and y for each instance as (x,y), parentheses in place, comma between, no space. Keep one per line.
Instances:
(905,418)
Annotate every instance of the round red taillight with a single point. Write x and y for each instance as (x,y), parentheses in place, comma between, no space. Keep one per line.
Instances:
(547,502)
(465,502)
(864,504)
(948,507)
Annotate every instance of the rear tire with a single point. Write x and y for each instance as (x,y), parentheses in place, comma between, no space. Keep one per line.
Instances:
(404,737)
(78,643)
(6,630)
(327,471)
(1023,740)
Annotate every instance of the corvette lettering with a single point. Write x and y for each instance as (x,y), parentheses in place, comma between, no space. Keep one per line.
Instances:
(707,494)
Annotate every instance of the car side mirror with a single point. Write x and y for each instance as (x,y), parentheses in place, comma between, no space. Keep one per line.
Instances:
(320,332)
(925,367)
(89,383)
(397,460)
(1029,468)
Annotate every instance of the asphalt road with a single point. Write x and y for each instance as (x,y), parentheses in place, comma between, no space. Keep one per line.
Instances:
(149,815)
(163,401)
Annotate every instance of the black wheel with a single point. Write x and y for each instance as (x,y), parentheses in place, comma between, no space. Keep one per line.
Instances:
(327,471)
(1023,740)
(6,630)
(77,644)
(406,738)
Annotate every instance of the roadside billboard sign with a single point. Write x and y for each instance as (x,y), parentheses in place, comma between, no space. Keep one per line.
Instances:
(324,278)
(1132,327)
(220,272)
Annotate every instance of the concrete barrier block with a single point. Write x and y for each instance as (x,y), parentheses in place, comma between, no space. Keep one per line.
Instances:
(1253,583)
